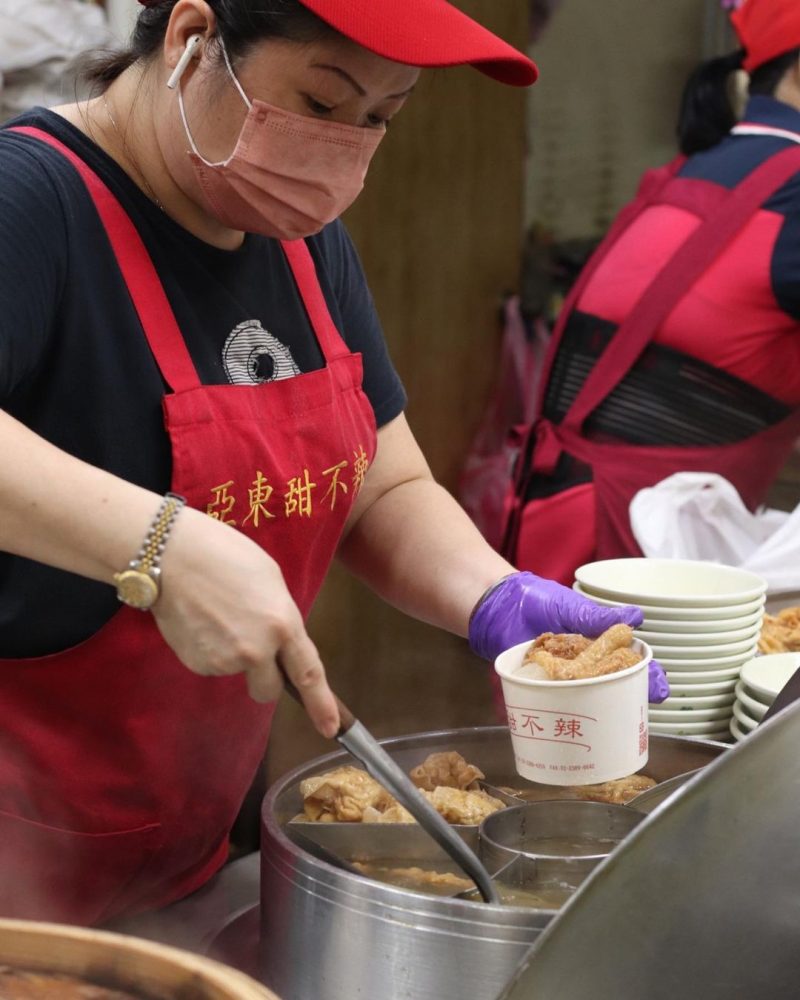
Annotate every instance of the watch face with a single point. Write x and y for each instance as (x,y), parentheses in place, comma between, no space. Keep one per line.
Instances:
(136,589)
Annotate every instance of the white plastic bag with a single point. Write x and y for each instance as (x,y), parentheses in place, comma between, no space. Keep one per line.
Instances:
(699,515)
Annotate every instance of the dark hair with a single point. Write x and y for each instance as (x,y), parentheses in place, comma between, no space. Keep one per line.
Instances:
(241,24)
(706,113)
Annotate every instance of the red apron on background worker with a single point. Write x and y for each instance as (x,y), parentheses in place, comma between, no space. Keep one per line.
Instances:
(678,348)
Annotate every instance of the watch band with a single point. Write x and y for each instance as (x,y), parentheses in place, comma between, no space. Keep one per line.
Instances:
(138,585)
(149,555)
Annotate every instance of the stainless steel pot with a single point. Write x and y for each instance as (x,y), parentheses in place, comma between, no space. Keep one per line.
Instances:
(333,935)
(584,833)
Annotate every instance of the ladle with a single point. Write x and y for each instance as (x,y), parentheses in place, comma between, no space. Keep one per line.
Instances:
(365,748)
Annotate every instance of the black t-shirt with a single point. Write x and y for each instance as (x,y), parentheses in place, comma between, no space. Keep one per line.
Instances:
(75,365)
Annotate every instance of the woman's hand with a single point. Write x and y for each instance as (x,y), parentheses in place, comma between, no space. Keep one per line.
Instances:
(522,606)
(224,609)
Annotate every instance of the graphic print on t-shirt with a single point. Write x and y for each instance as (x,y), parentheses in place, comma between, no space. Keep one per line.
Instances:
(252,355)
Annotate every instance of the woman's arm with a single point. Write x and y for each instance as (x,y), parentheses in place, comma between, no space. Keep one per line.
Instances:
(412,543)
(224,607)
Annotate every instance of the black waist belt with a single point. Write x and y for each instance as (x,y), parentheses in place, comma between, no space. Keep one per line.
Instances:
(668,398)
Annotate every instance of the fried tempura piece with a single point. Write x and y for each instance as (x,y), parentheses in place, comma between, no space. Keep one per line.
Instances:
(781,633)
(459,806)
(342,795)
(594,661)
(350,795)
(448,769)
(394,814)
(413,877)
(616,792)
(770,642)
(564,645)
(620,659)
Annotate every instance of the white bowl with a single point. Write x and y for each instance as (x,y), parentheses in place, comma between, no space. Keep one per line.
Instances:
(745,721)
(755,708)
(700,640)
(766,675)
(711,663)
(676,702)
(681,678)
(727,677)
(703,689)
(722,737)
(682,583)
(690,714)
(683,614)
(671,626)
(687,728)
(718,652)
(736,730)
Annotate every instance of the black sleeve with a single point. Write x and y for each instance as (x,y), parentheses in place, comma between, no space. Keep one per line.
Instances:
(361,327)
(33,251)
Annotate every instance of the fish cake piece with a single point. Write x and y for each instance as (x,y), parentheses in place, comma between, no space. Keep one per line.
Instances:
(780,633)
(448,769)
(413,877)
(464,807)
(617,792)
(593,661)
(620,659)
(616,637)
(789,617)
(564,645)
(342,795)
(394,814)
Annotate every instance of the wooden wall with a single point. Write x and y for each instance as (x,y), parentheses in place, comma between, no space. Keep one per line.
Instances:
(439,228)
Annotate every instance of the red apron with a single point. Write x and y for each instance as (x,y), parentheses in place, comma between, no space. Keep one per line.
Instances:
(555,535)
(121,772)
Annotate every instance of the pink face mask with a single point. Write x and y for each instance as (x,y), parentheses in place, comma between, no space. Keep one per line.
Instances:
(288,175)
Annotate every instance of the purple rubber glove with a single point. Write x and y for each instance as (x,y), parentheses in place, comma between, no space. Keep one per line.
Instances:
(522,606)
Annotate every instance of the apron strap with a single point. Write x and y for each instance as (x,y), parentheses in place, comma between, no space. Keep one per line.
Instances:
(687,265)
(304,272)
(650,190)
(147,293)
(144,287)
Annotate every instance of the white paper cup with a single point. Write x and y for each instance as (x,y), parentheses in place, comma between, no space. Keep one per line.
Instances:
(576,732)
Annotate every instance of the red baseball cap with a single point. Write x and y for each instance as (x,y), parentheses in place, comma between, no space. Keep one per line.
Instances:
(422,33)
(766,29)
(425,33)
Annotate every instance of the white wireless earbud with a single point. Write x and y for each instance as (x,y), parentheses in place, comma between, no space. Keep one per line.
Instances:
(183,62)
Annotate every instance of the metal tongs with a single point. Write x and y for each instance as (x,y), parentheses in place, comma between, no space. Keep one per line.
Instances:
(364,747)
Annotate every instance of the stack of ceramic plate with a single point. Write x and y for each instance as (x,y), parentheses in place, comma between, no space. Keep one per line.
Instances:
(758,686)
(702,621)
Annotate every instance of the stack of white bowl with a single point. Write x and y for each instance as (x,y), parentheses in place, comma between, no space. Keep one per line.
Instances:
(702,621)
(758,686)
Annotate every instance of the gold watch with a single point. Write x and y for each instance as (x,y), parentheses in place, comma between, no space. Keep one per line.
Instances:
(138,584)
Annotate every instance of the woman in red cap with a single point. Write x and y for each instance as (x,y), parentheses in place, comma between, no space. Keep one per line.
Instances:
(199,412)
(679,346)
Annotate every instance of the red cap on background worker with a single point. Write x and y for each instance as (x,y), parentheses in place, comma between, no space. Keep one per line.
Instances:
(766,28)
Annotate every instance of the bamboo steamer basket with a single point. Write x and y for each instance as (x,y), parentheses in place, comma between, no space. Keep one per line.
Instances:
(146,969)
